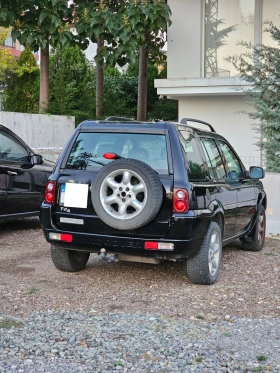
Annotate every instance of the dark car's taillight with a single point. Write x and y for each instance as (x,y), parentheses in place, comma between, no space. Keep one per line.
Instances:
(50,192)
(180,200)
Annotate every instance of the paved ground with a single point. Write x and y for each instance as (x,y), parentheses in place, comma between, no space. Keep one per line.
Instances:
(248,284)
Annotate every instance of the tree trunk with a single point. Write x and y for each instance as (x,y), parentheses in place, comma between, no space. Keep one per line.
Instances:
(44,80)
(142,84)
(99,82)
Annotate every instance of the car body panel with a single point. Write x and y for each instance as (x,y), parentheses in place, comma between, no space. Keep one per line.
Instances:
(22,183)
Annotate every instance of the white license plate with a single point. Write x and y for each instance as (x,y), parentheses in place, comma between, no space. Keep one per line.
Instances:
(75,195)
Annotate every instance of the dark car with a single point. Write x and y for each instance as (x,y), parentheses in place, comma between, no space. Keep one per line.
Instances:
(150,192)
(23,177)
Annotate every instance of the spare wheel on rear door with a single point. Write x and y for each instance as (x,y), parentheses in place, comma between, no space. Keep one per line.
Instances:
(127,194)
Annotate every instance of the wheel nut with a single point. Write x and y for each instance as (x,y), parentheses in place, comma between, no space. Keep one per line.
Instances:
(127,189)
(123,199)
(129,196)
(120,188)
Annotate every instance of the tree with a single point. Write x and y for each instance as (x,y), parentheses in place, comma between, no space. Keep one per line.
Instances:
(101,21)
(21,93)
(39,23)
(7,61)
(72,80)
(145,26)
(260,66)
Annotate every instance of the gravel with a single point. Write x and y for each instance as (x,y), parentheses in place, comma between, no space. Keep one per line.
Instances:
(131,317)
(65,341)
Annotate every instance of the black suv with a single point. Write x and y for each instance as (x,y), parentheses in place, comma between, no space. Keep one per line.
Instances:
(150,192)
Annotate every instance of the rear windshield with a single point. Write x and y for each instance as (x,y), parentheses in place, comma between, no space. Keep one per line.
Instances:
(89,148)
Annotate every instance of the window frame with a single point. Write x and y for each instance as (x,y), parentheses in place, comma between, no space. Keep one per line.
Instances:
(11,137)
(72,141)
(243,170)
(221,155)
(180,136)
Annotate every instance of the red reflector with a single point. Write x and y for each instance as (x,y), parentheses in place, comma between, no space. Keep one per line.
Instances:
(109,156)
(66,237)
(151,245)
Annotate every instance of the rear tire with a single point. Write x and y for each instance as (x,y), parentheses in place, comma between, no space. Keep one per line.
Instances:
(256,241)
(204,267)
(68,260)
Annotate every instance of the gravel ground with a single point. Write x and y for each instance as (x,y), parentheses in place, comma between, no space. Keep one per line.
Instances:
(132,317)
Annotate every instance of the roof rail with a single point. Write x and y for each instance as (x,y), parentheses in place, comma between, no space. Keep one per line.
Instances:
(186,120)
(117,119)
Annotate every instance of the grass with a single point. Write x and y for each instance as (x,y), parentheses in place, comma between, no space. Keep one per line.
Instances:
(200,317)
(258,369)
(261,358)
(9,324)
(33,290)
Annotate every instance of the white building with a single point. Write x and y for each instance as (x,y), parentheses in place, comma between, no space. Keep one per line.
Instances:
(200,78)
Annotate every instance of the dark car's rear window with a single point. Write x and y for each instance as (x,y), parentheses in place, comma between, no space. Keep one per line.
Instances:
(89,148)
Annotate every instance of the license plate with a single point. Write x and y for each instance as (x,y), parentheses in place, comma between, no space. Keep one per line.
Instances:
(74,195)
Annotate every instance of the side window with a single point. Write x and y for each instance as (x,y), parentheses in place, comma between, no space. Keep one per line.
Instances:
(234,168)
(214,160)
(11,150)
(195,164)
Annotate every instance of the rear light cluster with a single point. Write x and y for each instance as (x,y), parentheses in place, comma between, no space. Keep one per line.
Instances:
(180,200)
(61,237)
(50,192)
(150,245)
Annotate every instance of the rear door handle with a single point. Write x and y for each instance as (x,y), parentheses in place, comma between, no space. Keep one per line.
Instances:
(13,173)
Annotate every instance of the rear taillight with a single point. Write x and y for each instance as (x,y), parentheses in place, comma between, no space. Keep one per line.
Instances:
(50,192)
(180,200)
(61,237)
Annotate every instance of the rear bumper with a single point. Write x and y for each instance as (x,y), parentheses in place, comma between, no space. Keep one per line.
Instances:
(186,233)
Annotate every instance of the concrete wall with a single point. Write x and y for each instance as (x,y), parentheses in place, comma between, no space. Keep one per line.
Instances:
(185,39)
(271,185)
(45,134)
(224,113)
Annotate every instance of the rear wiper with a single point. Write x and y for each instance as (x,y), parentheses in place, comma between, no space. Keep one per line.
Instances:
(93,160)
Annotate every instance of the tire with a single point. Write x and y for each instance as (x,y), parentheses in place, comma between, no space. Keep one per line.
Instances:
(68,260)
(200,268)
(257,239)
(127,194)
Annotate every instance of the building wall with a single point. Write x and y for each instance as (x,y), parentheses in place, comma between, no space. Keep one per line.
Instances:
(224,113)
(185,39)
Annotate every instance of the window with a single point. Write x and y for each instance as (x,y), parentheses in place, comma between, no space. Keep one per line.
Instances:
(195,164)
(234,168)
(11,150)
(214,160)
(227,22)
(89,148)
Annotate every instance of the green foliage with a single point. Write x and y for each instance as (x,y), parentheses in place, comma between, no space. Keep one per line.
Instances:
(72,87)
(260,66)
(145,25)
(39,22)
(7,61)
(21,93)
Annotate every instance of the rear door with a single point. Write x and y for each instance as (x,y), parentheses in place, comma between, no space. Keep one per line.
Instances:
(224,190)
(85,160)
(246,197)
